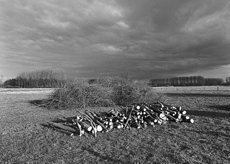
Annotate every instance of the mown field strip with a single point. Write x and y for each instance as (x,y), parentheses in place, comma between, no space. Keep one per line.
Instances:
(26,90)
(193,88)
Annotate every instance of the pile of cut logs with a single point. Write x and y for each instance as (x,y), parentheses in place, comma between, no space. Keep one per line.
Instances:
(138,115)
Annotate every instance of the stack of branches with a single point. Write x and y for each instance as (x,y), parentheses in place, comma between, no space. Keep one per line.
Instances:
(138,115)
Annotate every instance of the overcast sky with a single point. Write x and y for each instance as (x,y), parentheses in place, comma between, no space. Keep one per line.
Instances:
(91,38)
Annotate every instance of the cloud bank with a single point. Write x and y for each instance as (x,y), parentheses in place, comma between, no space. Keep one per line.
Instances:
(104,38)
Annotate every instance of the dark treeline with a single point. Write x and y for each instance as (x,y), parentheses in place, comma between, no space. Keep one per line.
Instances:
(36,79)
(53,79)
(188,81)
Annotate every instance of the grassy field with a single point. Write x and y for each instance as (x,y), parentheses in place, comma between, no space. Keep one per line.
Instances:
(192,88)
(24,139)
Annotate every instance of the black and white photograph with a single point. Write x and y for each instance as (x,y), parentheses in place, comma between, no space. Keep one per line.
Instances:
(115,81)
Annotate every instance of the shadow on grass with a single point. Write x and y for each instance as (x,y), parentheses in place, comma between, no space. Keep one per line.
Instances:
(208,114)
(210,133)
(56,129)
(39,103)
(107,158)
(196,95)
(220,107)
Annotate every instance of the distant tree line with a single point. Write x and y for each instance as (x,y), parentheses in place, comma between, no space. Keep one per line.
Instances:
(188,81)
(36,79)
(52,79)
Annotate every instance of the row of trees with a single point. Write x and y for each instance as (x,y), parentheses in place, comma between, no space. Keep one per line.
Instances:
(188,81)
(37,79)
(214,81)
(51,79)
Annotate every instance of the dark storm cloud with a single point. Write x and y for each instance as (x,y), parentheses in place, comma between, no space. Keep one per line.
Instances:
(98,37)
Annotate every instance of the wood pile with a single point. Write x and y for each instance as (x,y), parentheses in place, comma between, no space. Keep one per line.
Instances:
(138,115)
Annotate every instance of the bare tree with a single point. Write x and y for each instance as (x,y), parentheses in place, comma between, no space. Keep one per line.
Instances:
(40,79)
(228,80)
(1,80)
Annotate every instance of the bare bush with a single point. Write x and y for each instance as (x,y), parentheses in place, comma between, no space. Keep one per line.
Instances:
(103,92)
(124,95)
(79,95)
(108,81)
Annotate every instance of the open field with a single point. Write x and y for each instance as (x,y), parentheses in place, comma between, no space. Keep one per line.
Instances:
(26,90)
(23,139)
(193,88)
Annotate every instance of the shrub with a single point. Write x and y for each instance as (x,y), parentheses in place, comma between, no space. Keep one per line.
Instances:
(102,92)
(124,95)
(108,82)
(79,95)
(144,92)
(133,92)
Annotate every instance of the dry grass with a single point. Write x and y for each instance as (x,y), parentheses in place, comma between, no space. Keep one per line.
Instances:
(23,139)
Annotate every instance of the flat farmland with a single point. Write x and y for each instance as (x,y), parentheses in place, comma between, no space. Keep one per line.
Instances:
(194,89)
(25,139)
